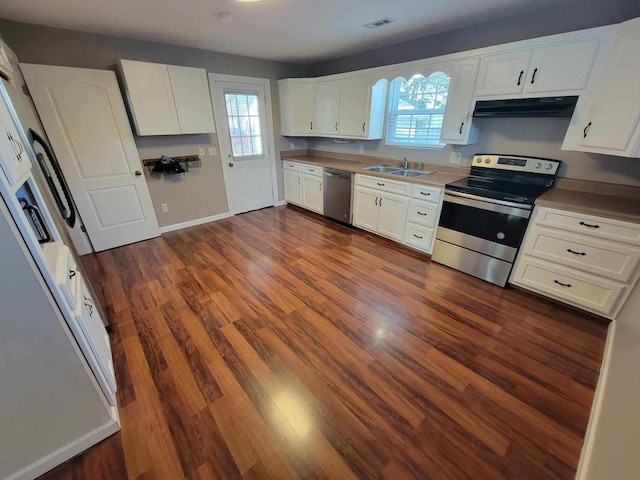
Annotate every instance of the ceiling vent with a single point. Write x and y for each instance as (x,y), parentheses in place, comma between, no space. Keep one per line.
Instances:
(379,23)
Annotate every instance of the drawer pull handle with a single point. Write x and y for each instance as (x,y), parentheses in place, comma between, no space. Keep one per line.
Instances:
(582,254)
(567,285)
(417,236)
(589,225)
(376,201)
(291,165)
(311,170)
(423,214)
(380,184)
(72,273)
(425,193)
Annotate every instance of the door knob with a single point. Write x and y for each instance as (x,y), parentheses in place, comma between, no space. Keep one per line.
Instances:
(138,173)
(231,164)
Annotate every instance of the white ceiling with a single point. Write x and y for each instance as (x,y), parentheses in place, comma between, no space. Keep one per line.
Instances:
(301,31)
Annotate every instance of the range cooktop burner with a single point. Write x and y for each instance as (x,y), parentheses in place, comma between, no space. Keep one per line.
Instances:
(498,190)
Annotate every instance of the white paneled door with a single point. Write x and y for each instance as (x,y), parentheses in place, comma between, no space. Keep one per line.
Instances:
(241,111)
(83,114)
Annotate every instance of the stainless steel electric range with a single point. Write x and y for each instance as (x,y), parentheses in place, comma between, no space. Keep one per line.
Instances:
(484,216)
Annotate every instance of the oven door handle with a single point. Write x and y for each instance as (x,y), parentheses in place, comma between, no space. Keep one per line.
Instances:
(498,206)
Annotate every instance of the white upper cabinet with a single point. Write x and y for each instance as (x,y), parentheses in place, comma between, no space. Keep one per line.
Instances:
(345,107)
(563,67)
(503,73)
(190,88)
(167,100)
(328,106)
(551,69)
(297,106)
(607,119)
(362,104)
(458,126)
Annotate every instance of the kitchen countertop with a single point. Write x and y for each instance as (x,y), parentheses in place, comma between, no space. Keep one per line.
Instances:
(626,208)
(435,179)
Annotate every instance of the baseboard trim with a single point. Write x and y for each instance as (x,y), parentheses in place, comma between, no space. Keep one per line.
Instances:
(196,222)
(67,452)
(280,203)
(594,417)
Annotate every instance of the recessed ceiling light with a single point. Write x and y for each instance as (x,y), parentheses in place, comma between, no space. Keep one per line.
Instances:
(248,1)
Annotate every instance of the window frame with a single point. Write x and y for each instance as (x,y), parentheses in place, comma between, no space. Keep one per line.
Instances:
(393,99)
(229,116)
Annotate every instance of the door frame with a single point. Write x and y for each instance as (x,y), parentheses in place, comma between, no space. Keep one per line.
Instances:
(219,113)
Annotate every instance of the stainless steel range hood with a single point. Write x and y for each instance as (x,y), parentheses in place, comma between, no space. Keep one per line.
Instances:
(526,107)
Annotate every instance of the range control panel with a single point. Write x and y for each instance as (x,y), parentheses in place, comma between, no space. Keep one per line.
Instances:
(515,163)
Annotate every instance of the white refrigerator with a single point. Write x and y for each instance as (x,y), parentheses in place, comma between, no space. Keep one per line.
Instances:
(57,381)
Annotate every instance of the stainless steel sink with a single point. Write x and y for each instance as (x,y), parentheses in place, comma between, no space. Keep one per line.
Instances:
(411,173)
(382,169)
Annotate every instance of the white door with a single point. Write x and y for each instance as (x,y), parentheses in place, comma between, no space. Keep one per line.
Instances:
(241,115)
(328,106)
(503,73)
(293,187)
(83,114)
(354,106)
(561,67)
(365,208)
(312,196)
(392,216)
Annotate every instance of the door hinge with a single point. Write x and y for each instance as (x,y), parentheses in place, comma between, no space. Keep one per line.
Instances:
(83,229)
(25,90)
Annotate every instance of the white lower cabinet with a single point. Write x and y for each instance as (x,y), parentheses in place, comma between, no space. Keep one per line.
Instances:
(303,185)
(587,261)
(380,212)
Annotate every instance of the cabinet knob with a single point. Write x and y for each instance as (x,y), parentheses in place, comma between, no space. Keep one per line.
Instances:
(231,164)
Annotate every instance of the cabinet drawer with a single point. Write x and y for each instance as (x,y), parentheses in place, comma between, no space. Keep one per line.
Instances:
(419,237)
(295,166)
(595,256)
(423,213)
(384,184)
(565,284)
(422,192)
(591,225)
(312,170)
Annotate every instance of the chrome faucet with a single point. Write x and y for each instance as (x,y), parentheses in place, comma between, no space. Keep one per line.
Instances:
(404,161)
(421,165)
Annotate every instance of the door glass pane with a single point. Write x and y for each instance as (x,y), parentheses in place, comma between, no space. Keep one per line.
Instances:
(243,114)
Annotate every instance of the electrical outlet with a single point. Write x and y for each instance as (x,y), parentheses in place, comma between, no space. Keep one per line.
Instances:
(361,149)
(455,157)
(292,145)
(213,151)
(201,152)
(165,207)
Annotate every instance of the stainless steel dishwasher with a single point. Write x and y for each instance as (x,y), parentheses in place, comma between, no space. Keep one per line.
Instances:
(337,195)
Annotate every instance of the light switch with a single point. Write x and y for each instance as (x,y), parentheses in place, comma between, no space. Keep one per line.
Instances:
(213,151)
(201,151)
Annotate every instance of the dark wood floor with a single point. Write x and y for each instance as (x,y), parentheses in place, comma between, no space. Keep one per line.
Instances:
(275,344)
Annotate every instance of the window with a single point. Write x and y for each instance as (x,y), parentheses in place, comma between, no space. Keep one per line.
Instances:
(416,110)
(243,114)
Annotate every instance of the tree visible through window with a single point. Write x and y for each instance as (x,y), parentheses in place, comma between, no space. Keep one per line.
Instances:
(416,110)
(243,114)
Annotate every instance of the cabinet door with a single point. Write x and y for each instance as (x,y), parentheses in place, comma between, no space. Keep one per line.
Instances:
(393,216)
(328,106)
(312,196)
(558,68)
(297,106)
(614,115)
(365,208)
(13,156)
(503,73)
(192,98)
(456,126)
(355,106)
(150,98)
(293,187)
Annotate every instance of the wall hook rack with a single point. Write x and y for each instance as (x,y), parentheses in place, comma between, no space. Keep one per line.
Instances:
(186,161)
